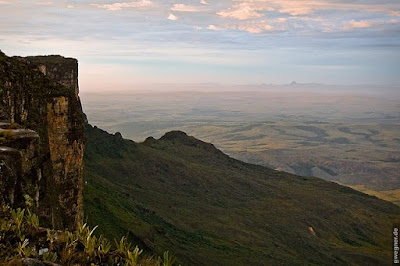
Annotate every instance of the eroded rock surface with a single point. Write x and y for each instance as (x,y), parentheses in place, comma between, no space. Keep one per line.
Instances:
(42,137)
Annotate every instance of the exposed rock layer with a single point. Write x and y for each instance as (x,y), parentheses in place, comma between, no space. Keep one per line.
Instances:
(45,162)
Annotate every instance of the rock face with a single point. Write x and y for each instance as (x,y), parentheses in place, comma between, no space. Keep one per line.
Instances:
(42,138)
(18,158)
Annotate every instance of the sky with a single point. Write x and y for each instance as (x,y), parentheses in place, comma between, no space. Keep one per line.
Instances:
(125,44)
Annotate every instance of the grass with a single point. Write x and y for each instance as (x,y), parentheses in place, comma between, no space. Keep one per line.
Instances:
(183,195)
(22,238)
(389,195)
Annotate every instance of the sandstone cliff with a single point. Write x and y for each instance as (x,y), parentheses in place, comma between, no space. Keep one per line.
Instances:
(42,137)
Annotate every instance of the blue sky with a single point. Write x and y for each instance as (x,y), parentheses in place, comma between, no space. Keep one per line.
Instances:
(122,44)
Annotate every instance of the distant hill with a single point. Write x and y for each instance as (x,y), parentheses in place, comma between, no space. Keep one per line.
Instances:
(180,194)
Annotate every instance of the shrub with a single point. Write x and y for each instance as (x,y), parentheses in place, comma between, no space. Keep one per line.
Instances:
(6,134)
(21,237)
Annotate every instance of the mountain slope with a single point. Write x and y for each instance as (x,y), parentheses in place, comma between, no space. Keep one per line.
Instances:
(183,195)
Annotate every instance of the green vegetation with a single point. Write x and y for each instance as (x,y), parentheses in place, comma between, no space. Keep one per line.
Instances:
(6,134)
(21,238)
(180,194)
(13,68)
(21,81)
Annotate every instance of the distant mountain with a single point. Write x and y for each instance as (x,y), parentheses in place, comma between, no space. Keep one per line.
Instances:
(180,194)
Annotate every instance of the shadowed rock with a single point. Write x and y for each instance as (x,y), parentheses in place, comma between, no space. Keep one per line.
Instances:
(41,117)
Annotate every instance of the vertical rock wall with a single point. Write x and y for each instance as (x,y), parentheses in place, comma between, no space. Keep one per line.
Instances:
(41,93)
(18,164)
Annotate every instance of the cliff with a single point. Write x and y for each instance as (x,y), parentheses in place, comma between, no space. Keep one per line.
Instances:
(42,137)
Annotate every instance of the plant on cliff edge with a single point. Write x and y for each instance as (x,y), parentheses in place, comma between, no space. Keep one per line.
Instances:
(21,237)
(6,134)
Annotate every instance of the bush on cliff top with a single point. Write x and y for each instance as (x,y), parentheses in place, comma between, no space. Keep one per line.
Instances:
(22,238)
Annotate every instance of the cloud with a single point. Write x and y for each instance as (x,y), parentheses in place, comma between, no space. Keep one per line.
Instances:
(281,19)
(248,9)
(241,11)
(254,27)
(295,8)
(306,16)
(133,4)
(172,17)
(203,2)
(185,8)
(362,24)
(318,19)
(48,3)
(365,24)
(213,27)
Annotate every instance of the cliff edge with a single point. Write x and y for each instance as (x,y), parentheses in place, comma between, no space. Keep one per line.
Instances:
(42,137)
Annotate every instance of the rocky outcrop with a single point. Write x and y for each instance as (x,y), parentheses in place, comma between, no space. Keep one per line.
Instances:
(42,140)
(18,158)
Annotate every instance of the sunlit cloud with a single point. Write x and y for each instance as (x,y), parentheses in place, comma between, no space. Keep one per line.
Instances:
(203,2)
(185,8)
(254,27)
(282,19)
(318,19)
(362,24)
(245,9)
(241,11)
(213,27)
(133,4)
(172,17)
(365,24)
(48,3)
